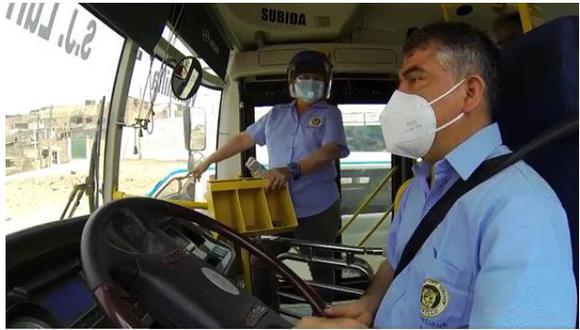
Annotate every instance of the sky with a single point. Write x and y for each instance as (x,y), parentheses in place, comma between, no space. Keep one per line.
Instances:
(40,72)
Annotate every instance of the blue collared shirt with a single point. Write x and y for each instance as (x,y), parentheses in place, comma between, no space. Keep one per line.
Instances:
(500,259)
(290,138)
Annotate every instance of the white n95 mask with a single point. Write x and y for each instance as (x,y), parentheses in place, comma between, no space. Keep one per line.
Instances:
(409,125)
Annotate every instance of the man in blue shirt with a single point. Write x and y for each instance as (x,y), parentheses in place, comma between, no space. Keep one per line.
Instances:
(501,258)
(304,138)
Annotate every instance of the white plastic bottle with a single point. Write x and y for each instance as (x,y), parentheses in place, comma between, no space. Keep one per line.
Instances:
(256,168)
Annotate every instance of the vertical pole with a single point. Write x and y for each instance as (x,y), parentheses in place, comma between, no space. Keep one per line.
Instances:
(445,13)
(50,137)
(246,271)
(524,10)
(37,139)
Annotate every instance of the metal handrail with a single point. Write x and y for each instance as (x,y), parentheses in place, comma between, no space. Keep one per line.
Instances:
(363,269)
(289,313)
(116,195)
(291,296)
(336,288)
(322,246)
(367,201)
(379,223)
(307,256)
(525,10)
(326,286)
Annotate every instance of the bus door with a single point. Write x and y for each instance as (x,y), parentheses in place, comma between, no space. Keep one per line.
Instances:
(360,98)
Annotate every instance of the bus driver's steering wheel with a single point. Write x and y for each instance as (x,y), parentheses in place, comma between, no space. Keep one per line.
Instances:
(130,262)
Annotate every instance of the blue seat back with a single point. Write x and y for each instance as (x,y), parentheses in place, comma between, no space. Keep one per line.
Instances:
(539,88)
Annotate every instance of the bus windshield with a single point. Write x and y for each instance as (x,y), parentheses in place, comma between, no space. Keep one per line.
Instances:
(61,68)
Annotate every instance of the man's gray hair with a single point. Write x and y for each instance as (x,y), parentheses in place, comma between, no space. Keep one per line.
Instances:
(462,49)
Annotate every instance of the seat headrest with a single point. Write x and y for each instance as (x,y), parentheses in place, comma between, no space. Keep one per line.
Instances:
(539,80)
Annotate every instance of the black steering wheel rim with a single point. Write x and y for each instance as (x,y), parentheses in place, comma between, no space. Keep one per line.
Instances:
(108,293)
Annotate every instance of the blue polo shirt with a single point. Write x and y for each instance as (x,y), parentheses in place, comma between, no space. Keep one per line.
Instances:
(500,259)
(290,138)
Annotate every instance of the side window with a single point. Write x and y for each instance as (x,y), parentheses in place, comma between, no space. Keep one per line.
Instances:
(154,160)
(60,64)
(261,151)
(368,161)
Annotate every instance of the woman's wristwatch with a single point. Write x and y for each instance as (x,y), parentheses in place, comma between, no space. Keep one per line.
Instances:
(295,170)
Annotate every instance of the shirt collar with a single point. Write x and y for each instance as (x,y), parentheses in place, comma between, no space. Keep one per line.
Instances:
(314,105)
(467,156)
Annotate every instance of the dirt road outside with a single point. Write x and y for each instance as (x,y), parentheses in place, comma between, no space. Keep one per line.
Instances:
(40,196)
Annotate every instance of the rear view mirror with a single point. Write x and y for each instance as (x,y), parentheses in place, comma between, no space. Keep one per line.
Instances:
(186,78)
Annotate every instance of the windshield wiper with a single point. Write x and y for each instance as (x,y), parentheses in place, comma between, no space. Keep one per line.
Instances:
(91,185)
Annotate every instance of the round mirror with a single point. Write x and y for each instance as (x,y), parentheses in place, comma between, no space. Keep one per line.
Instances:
(186,78)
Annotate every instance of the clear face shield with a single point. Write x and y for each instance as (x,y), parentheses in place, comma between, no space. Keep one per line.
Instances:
(303,78)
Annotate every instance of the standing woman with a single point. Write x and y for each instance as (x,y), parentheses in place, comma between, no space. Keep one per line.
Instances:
(304,139)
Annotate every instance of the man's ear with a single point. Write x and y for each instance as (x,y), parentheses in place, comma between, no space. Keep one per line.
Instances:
(474,93)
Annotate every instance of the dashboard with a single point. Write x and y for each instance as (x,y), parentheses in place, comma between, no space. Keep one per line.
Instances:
(45,282)
(54,298)
(71,303)
(202,245)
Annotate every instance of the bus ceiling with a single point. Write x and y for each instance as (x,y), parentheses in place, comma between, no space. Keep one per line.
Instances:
(251,26)
(259,32)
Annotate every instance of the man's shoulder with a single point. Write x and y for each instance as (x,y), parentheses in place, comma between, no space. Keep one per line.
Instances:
(518,184)
(518,194)
(518,179)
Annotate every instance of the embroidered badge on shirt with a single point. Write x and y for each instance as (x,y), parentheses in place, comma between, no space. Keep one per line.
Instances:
(315,122)
(434,298)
